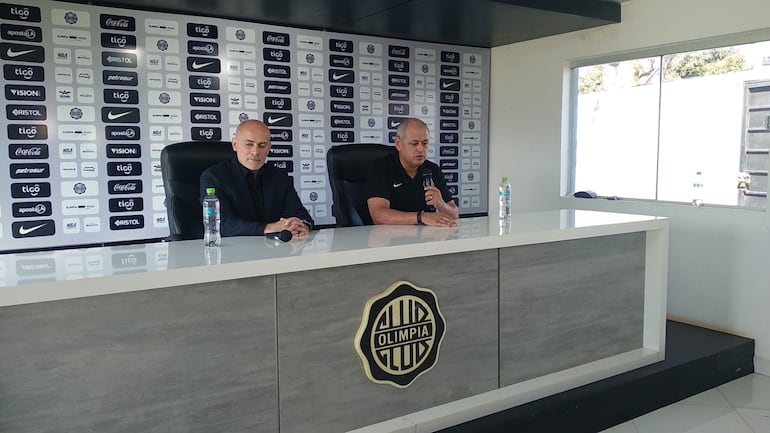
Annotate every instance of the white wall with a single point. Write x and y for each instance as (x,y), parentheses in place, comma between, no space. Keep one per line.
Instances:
(719,270)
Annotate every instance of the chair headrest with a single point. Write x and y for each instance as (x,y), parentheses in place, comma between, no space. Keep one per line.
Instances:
(351,161)
(186,161)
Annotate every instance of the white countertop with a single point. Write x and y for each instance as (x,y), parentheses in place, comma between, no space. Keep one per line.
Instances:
(64,274)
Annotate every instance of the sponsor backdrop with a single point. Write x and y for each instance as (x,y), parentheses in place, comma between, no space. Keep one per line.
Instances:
(92,94)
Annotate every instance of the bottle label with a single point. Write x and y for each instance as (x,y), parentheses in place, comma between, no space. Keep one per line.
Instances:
(208,211)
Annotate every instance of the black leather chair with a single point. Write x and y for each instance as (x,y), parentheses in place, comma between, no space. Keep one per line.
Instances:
(181,167)
(348,166)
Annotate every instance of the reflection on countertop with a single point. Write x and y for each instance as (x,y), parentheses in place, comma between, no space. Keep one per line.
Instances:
(60,265)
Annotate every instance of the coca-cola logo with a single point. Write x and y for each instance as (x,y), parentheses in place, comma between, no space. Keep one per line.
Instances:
(398,51)
(117,22)
(273,38)
(28,151)
(124,186)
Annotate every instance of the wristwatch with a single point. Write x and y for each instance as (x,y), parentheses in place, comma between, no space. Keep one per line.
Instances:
(419,218)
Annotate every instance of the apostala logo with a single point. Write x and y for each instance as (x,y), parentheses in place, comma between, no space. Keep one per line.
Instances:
(400,334)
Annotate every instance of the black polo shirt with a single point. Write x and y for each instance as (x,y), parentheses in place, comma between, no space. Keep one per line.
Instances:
(387,179)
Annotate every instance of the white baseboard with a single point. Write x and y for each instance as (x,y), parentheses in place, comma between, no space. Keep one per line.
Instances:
(762,366)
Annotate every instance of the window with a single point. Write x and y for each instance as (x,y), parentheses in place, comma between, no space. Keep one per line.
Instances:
(644,128)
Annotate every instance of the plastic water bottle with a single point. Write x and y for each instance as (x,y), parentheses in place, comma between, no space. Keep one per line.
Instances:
(504,196)
(697,190)
(211,236)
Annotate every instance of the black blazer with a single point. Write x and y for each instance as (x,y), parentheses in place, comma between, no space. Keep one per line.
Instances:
(237,212)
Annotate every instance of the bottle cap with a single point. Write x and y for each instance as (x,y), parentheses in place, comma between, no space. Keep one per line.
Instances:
(210,190)
(505,178)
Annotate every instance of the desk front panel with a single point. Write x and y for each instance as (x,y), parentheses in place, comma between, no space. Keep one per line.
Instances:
(568,303)
(197,358)
(323,384)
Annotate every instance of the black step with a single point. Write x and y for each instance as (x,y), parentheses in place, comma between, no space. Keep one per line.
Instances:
(697,359)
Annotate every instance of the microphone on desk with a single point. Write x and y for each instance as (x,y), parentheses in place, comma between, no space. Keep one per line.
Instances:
(427,180)
(283,235)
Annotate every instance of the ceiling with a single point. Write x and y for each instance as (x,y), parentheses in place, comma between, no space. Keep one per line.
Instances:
(480,23)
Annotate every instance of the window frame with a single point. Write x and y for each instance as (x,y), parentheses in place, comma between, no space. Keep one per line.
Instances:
(661,51)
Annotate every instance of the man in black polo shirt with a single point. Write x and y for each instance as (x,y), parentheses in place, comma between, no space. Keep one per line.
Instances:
(395,190)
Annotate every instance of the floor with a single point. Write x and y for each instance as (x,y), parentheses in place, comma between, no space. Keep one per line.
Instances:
(740,406)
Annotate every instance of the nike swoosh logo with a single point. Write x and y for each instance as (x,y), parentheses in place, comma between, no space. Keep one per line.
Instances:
(336,77)
(272,120)
(112,116)
(447,85)
(396,185)
(394,124)
(27,230)
(195,64)
(12,53)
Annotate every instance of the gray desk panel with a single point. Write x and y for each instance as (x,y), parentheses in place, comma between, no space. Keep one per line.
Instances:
(323,384)
(563,304)
(199,358)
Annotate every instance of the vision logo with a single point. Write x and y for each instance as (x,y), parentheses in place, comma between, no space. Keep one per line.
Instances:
(24,93)
(400,334)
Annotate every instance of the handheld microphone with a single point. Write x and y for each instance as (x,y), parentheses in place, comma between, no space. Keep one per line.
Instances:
(427,177)
(283,235)
(427,180)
